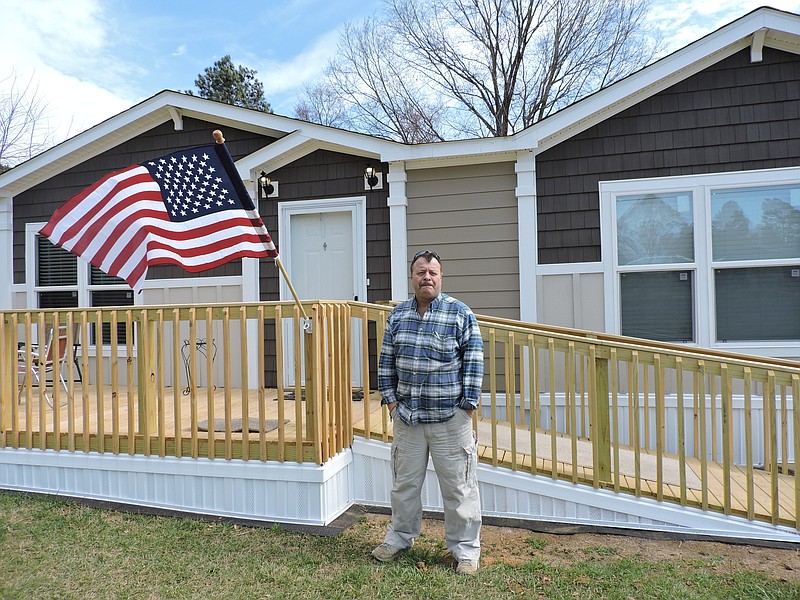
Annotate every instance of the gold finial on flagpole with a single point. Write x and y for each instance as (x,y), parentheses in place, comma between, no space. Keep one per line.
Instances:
(218,136)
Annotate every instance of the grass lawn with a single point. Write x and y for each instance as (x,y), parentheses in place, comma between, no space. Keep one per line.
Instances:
(52,548)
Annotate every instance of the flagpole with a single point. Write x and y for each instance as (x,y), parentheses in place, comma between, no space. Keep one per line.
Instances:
(220,139)
(291,287)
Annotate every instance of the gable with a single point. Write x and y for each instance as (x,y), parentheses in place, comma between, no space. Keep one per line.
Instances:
(734,115)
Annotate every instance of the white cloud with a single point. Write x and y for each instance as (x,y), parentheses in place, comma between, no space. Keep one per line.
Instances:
(62,47)
(685,22)
(287,78)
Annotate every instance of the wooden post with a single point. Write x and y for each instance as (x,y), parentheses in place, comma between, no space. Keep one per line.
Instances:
(308,357)
(147,378)
(314,383)
(601,431)
(8,378)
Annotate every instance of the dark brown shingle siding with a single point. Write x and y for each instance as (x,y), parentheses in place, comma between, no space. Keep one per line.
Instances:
(325,174)
(735,115)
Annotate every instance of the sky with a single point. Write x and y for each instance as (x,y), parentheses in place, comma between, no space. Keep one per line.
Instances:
(89,60)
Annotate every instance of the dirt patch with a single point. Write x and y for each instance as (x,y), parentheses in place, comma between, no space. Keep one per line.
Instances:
(514,546)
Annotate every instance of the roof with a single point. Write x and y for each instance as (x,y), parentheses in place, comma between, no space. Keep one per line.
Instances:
(169,105)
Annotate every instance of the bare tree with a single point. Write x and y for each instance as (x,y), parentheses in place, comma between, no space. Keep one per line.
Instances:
(587,45)
(24,129)
(369,88)
(443,69)
(320,103)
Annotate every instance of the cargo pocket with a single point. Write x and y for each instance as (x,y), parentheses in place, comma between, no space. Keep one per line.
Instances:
(471,462)
(393,462)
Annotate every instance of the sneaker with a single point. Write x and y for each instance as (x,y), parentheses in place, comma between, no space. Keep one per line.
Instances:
(467,567)
(386,552)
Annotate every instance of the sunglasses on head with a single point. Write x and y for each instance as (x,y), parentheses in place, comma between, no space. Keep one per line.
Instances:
(427,255)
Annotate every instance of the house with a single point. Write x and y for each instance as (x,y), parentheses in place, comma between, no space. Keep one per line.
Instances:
(664,206)
(532,226)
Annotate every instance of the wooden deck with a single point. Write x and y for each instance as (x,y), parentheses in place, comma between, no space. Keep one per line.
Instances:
(271,432)
(273,435)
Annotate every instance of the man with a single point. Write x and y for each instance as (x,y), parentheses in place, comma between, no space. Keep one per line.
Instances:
(429,375)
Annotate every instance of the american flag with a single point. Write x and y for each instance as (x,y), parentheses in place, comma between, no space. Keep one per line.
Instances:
(188,208)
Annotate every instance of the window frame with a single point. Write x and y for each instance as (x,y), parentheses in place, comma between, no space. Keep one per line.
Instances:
(703,267)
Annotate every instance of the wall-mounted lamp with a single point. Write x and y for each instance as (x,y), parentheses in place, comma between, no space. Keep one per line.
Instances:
(266,184)
(371,176)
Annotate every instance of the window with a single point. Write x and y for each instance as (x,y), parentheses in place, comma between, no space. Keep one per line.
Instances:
(706,259)
(657,305)
(757,303)
(760,223)
(56,275)
(101,295)
(655,228)
(62,280)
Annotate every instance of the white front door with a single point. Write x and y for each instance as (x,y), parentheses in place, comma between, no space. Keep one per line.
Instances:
(322,255)
(324,252)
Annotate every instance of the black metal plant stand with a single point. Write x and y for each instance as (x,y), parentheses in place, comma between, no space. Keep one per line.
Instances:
(201,346)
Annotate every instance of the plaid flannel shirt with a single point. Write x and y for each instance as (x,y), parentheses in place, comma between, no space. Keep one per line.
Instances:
(431,365)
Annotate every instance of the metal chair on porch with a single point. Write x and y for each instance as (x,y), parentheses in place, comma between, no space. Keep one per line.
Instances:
(57,350)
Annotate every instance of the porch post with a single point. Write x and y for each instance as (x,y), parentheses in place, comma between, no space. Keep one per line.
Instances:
(146,359)
(525,191)
(315,383)
(6,252)
(600,427)
(8,378)
(398,230)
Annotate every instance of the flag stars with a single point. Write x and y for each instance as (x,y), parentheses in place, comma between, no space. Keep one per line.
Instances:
(192,185)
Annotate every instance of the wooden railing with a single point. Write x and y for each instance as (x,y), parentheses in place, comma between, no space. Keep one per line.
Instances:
(684,425)
(710,417)
(132,399)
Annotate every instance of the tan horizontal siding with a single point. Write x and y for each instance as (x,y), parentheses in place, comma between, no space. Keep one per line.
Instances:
(469,190)
(503,216)
(468,214)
